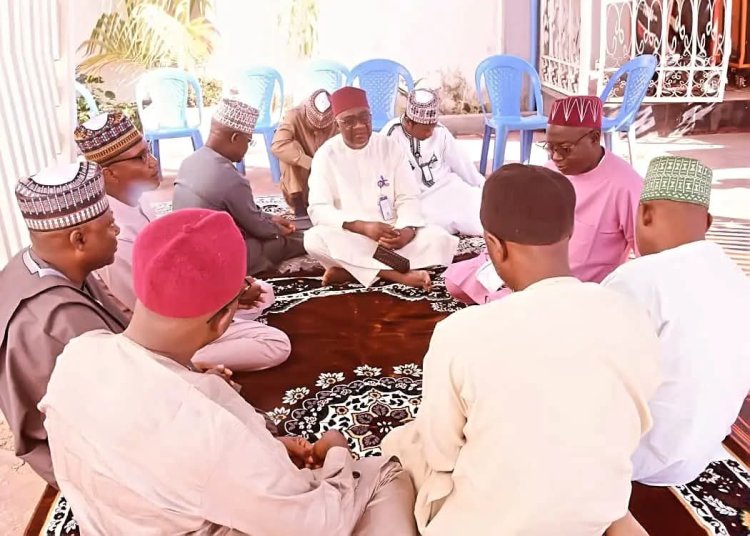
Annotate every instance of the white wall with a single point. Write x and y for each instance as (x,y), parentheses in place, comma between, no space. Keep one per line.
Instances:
(36,103)
(427,36)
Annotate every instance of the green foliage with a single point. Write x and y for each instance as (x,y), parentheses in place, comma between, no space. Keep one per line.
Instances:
(146,34)
(106,101)
(210,88)
(300,22)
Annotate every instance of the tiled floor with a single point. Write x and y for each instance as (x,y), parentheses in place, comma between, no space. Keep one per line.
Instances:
(727,154)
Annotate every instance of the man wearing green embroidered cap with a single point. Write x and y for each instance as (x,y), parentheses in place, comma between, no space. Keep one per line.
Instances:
(699,302)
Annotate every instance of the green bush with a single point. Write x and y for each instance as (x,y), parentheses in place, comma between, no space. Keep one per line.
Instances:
(211,89)
(106,101)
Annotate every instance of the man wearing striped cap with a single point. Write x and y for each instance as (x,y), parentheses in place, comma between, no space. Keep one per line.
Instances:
(449,183)
(208,179)
(699,302)
(49,296)
(129,170)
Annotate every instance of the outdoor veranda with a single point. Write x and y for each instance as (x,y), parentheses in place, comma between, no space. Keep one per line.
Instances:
(662,512)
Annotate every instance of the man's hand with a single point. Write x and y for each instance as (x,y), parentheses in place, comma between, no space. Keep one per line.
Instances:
(330,439)
(374,230)
(285,226)
(403,237)
(225,374)
(299,450)
(252,296)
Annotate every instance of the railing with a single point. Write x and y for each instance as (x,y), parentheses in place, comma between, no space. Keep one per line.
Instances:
(690,39)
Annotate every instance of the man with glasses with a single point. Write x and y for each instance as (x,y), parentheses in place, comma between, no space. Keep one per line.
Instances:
(449,183)
(129,169)
(144,443)
(364,202)
(607,191)
(208,179)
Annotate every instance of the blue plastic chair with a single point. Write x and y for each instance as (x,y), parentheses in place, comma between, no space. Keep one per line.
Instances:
(380,79)
(166,116)
(504,76)
(328,75)
(256,87)
(84,92)
(639,71)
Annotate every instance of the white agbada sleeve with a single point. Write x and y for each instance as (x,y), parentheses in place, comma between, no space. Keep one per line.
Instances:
(407,205)
(443,412)
(323,197)
(459,162)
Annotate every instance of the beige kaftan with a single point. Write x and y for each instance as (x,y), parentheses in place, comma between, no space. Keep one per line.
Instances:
(532,407)
(142,445)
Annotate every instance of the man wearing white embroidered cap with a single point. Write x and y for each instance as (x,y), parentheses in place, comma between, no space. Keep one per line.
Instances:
(299,136)
(48,295)
(208,179)
(450,185)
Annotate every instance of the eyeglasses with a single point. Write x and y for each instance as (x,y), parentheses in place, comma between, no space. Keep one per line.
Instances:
(562,149)
(249,283)
(353,120)
(144,156)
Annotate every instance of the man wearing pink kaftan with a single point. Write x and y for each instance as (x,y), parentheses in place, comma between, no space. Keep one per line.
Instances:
(607,192)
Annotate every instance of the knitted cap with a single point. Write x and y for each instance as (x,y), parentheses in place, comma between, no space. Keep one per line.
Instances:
(677,178)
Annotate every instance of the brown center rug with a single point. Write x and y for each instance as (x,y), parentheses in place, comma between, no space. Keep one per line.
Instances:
(356,367)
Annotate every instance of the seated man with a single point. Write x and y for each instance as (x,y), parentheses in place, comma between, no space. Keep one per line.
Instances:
(208,179)
(143,444)
(534,404)
(129,170)
(362,196)
(699,301)
(607,192)
(450,184)
(297,139)
(48,296)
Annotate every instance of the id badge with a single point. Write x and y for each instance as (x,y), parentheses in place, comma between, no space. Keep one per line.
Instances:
(385,208)
(488,278)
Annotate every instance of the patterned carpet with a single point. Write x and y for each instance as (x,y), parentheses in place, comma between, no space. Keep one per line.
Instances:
(356,366)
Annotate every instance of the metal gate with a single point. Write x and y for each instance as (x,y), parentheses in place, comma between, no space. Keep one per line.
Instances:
(584,42)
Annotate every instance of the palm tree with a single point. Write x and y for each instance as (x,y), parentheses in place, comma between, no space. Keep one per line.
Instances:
(145,34)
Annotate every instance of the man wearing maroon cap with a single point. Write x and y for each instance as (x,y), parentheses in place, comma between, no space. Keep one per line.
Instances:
(143,442)
(364,202)
(608,190)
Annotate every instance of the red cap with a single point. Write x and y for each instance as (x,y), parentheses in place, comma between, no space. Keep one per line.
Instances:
(347,98)
(189,263)
(577,111)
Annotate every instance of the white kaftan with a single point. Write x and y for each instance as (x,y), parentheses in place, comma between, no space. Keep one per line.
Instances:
(344,187)
(142,445)
(532,407)
(450,185)
(699,301)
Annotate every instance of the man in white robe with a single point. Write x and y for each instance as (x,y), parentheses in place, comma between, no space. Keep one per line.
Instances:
(129,170)
(449,183)
(363,196)
(143,444)
(532,405)
(699,301)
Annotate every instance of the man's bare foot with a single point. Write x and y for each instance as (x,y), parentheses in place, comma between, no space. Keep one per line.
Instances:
(413,278)
(335,275)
